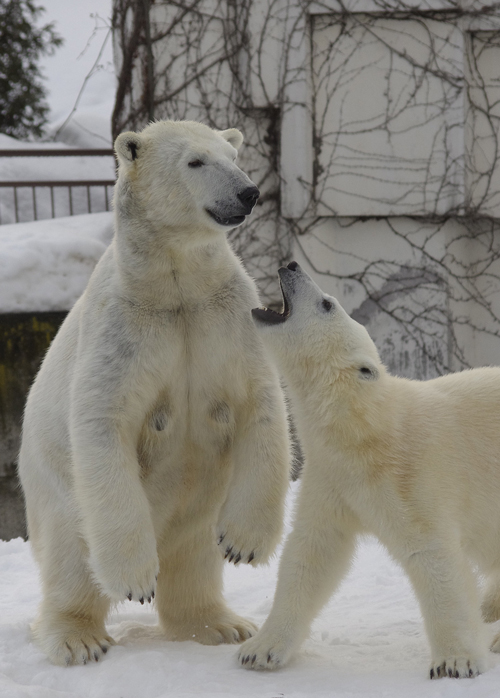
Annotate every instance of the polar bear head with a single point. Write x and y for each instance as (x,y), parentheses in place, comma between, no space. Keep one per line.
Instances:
(182,175)
(314,336)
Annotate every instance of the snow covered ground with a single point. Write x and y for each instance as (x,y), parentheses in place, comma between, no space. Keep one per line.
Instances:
(367,643)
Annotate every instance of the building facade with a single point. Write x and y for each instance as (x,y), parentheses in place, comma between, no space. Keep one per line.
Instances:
(371,128)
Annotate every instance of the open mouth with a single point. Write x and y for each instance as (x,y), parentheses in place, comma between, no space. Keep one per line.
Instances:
(272,317)
(232,220)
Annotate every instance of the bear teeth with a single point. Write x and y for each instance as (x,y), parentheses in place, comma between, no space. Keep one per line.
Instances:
(268,315)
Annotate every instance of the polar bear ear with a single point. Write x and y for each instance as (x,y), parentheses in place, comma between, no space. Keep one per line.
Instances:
(127,146)
(232,136)
(368,371)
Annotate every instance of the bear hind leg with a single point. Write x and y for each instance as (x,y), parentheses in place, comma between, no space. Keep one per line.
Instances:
(189,596)
(70,624)
(490,607)
(69,638)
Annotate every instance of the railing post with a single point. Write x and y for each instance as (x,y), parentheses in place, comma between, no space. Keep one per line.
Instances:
(34,185)
(33,189)
(15,204)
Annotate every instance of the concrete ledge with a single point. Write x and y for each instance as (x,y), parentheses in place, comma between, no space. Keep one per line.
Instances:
(12,517)
(24,339)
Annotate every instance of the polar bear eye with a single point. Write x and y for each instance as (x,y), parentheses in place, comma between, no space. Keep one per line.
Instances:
(327,305)
(368,374)
(195,163)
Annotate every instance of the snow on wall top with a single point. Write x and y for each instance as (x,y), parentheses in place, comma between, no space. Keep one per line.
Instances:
(45,265)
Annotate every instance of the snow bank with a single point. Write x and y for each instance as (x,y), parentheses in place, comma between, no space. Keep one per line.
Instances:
(46,265)
(367,643)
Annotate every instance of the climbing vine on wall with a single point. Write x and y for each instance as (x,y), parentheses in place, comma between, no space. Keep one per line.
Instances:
(403,211)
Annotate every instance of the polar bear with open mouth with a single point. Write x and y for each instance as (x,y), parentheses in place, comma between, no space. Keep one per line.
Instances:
(416,463)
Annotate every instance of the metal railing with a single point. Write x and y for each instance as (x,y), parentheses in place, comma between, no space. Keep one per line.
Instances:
(50,152)
(84,201)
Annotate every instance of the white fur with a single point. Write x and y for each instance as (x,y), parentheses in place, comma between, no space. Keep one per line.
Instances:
(156,425)
(415,463)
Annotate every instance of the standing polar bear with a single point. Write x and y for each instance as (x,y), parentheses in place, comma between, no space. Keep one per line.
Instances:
(156,427)
(416,463)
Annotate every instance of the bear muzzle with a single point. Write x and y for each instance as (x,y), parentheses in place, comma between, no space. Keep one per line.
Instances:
(234,214)
(272,317)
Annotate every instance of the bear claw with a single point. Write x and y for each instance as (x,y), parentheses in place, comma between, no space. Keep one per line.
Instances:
(454,669)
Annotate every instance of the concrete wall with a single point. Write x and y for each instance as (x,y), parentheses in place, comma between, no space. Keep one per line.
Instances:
(25,338)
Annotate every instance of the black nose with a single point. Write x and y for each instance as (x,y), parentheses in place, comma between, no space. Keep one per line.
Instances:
(248,198)
(293,266)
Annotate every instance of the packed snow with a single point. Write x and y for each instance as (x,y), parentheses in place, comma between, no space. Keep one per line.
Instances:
(367,642)
(46,265)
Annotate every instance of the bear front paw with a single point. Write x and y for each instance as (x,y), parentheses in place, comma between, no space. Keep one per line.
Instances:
(248,534)
(252,547)
(264,651)
(132,586)
(124,577)
(233,553)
